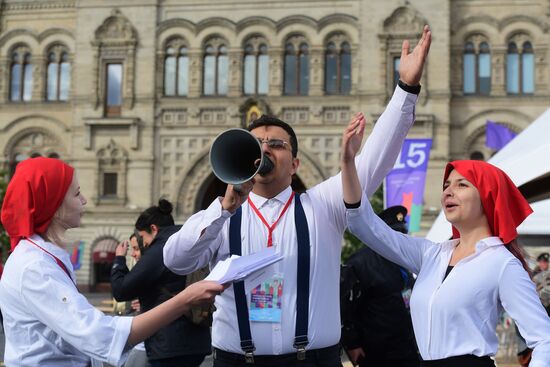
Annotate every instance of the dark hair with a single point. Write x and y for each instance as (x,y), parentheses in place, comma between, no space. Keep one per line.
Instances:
(517,251)
(160,215)
(266,120)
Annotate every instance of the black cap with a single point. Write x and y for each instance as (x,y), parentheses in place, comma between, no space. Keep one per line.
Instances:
(545,256)
(394,216)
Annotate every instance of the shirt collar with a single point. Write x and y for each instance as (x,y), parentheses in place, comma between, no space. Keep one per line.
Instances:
(481,245)
(51,248)
(260,201)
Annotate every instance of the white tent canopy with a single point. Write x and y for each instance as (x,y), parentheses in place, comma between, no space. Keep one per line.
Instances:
(524,159)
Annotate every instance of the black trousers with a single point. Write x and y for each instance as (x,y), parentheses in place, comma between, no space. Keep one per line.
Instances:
(461,361)
(325,357)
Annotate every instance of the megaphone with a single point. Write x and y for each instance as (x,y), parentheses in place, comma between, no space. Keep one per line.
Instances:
(236,156)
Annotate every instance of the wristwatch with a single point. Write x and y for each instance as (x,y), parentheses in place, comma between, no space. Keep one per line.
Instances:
(414,89)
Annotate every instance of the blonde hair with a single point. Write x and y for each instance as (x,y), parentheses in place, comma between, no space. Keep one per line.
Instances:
(55,233)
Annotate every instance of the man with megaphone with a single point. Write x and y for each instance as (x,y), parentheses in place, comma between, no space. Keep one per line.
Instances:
(288,314)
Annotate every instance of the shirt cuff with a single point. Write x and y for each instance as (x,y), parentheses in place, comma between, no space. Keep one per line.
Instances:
(119,347)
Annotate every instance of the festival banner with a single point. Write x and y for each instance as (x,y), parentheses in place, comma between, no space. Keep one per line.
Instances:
(404,185)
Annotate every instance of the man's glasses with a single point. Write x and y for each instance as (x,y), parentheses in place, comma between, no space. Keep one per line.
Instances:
(274,143)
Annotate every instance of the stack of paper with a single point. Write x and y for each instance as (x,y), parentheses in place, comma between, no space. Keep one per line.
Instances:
(237,267)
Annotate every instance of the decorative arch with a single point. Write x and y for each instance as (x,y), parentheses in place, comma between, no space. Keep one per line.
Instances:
(256,21)
(540,23)
(176,23)
(337,19)
(216,22)
(200,170)
(295,20)
(475,19)
(474,127)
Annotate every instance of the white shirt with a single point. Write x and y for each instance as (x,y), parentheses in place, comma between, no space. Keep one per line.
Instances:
(188,250)
(459,315)
(47,322)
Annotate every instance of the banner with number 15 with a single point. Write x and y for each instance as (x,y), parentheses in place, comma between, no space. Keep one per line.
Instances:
(404,185)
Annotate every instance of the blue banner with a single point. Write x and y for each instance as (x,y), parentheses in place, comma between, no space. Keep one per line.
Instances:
(404,185)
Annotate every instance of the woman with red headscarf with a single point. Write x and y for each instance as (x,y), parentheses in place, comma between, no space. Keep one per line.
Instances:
(47,322)
(463,283)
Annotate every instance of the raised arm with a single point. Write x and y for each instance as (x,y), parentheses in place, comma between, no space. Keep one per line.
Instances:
(368,227)
(384,143)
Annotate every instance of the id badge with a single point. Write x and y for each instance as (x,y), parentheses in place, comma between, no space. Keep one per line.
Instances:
(266,300)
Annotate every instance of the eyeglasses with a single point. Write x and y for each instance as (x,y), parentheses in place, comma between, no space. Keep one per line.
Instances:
(274,143)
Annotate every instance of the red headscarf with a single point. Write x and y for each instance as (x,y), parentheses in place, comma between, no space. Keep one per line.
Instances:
(503,204)
(34,194)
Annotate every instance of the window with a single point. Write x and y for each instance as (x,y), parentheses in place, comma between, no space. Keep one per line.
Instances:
(477,68)
(396,62)
(58,78)
(113,97)
(21,75)
(338,68)
(216,69)
(110,184)
(296,69)
(256,67)
(176,69)
(520,69)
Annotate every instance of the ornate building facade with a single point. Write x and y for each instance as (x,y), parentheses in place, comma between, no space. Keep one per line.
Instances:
(132,92)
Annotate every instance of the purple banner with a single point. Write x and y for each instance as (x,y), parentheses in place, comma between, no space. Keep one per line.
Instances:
(498,135)
(404,185)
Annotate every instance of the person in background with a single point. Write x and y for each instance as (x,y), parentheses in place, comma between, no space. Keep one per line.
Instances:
(48,323)
(542,263)
(137,356)
(376,323)
(463,283)
(181,343)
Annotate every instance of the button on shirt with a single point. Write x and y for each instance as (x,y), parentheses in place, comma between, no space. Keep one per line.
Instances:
(47,322)
(459,314)
(204,238)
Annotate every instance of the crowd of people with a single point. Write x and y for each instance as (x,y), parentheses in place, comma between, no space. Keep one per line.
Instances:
(289,314)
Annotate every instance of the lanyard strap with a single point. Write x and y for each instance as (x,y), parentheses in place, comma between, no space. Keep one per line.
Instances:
(270,228)
(302,296)
(59,262)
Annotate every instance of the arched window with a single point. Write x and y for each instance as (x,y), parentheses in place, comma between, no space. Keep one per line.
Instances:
(337,67)
(216,69)
(58,78)
(520,68)
(477,68)
(296,68)
(21,75)
(176,69)
(256,67)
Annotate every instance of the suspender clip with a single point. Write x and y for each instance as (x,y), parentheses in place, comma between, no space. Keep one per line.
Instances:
(301,354)
(249,358)
(300,343)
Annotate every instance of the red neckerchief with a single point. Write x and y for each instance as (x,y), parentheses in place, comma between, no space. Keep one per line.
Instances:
(59,262)
(270,228)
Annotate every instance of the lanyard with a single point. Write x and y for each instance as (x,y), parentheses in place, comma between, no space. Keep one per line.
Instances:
(270,228)
(59,262)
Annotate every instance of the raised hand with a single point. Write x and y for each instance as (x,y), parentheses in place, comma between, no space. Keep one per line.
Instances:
(411,64)
(352,137)
(233,199)
(121,248)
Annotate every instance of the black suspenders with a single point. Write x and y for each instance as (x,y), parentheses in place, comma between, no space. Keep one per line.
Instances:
(302,296)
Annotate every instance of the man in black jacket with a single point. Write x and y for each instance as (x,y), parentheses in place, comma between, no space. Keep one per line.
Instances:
(181,343)
(376,324)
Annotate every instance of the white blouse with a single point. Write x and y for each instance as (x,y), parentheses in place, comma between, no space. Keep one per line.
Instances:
(459,314)
(47,322)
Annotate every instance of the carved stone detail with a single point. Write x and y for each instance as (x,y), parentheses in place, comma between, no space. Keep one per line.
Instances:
(115,40)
